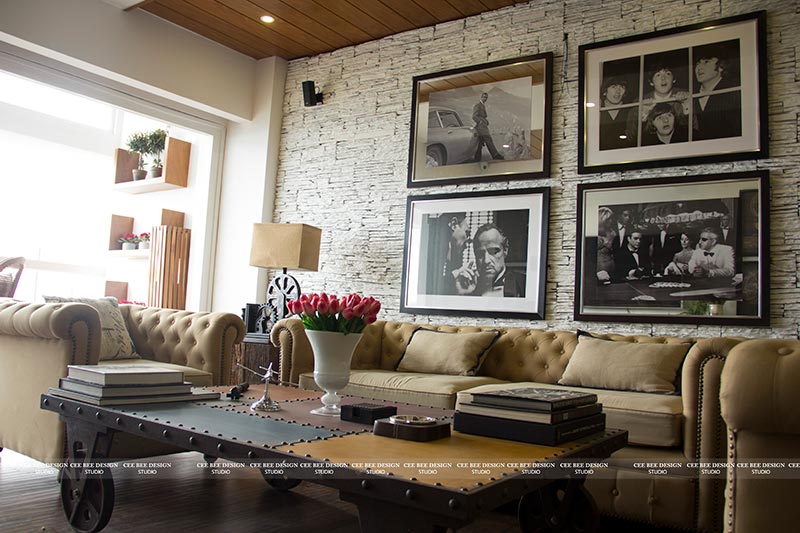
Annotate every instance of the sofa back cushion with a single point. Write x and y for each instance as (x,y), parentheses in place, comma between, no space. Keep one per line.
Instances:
(453,354)
(518,354)
(605,364)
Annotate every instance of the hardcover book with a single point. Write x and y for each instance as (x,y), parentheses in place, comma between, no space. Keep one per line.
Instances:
(133,400)
(537,399)
(526,415)
(125,374)
(115,391)
(530,432)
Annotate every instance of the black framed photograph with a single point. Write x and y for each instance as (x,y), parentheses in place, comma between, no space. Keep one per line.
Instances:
(695,94)
(482,123)
(674,250)
(476,254)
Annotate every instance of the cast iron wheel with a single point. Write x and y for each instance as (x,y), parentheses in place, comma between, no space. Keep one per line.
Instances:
(553,509)
(87,499)
(280,483)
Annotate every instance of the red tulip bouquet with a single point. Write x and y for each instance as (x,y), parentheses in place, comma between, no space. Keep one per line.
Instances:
(326,312)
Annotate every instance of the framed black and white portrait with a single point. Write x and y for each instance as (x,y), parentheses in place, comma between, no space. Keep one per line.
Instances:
(690,250)
(693,94)
(476,254)
(482,123)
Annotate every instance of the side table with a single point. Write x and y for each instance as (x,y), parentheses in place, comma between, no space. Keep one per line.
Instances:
(256,350)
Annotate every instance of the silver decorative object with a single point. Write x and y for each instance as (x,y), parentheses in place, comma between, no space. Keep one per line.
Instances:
(265,403)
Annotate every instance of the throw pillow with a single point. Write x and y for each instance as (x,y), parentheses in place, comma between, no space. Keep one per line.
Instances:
(605,364)
(454,354)
(115,341)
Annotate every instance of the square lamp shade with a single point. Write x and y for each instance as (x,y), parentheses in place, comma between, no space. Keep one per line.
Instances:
(294,246)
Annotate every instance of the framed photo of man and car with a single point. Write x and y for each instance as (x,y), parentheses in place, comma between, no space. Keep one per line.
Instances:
(481,123)
(687,95)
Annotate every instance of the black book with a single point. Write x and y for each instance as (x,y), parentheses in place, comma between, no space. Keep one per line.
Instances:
(534,399)
(531,432)
(528,415)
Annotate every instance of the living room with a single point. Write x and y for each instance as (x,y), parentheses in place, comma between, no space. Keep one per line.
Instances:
(343,165)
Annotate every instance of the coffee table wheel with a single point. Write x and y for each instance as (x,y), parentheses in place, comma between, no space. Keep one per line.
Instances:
(209,458)
(280,483)
(558,508)
(87,499)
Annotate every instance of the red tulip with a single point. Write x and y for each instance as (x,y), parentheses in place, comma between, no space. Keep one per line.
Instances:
(369,319)
(347,313)
(334,306)
(324,307)
(307,309)
(359,309)
(374,308)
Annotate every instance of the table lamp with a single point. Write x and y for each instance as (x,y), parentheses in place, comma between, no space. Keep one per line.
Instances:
(284,246)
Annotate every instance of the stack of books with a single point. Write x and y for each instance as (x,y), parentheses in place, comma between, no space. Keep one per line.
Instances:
(534,415)
(126,385)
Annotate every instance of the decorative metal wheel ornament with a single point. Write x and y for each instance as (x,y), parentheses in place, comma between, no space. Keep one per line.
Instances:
(87,500)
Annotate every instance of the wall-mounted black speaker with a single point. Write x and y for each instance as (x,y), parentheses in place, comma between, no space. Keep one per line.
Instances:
(310,98)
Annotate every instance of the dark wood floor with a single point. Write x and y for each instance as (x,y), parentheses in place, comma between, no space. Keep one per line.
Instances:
(191,499)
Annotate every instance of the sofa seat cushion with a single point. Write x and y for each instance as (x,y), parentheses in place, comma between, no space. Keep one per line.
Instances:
(435,390)
(198,378)
(650,419)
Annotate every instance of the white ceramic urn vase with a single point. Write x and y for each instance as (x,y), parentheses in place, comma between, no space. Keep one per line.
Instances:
(333,352)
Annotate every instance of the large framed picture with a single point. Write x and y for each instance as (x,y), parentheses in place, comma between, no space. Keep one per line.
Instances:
(695,94)
(482,123)
(674,250)
(476,254)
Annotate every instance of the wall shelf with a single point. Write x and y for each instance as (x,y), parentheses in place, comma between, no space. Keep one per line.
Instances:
(146,185)
(130,254)
(175,173)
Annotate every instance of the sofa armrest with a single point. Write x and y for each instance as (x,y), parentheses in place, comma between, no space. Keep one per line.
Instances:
(37,342)
(297,356)
(195,339)
(704,430)
(74,322)
(759,403)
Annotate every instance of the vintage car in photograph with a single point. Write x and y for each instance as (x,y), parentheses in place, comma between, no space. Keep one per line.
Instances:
(450,142)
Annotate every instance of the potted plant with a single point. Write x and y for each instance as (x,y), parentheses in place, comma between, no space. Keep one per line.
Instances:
(140,143)
(157,141)
(129,241)
(144,241)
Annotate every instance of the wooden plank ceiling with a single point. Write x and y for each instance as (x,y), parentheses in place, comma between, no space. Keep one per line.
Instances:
(308,27)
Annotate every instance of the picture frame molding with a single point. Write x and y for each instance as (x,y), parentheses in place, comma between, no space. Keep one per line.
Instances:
(760,19)
(538,313)
(411,183)
(763,253)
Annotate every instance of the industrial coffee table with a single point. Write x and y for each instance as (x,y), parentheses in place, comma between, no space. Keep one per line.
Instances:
(397,485)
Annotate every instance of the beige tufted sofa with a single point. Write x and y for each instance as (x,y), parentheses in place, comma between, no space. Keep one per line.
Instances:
(38,341)
(662,428)
(760,398)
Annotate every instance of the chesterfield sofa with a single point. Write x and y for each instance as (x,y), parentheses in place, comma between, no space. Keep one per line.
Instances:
(38,341)
(685,427)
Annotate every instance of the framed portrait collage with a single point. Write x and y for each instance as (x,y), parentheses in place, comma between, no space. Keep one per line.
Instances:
(662,249)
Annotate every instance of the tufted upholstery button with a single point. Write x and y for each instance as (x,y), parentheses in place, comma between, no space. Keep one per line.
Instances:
(172,322)
(202,361)
(784,351)
(652,499)
(189,323)
(535,346)
(194,343)
(615,492)
(546,366)
(208,324)
(520,363)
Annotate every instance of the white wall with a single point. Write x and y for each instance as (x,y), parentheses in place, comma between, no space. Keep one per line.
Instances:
(135,48)
(248,190)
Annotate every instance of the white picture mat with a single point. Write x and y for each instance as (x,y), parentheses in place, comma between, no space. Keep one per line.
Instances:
(745,32)
(531,202)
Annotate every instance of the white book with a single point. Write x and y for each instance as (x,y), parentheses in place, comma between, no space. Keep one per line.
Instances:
(197,396)
(115,391)
(125,374)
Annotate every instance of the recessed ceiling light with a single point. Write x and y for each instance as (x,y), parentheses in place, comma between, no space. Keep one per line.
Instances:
(267,19)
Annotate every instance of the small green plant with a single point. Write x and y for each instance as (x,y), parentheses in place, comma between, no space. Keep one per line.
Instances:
(695,307)
(139,142)
(156,142)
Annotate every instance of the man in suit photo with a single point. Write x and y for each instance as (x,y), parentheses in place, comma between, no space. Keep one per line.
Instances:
(711,259)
